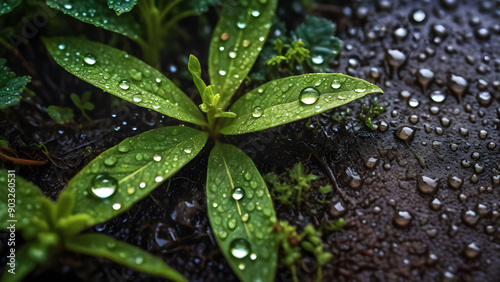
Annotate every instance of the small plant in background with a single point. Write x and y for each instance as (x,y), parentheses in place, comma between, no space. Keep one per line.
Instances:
(156,19)
(367,114)
(293,245)
(48,228)
(83,103)
(60,114)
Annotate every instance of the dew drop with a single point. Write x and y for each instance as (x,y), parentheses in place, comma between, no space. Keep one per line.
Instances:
(89,59)
(157,157)
(61,46)
(246,42)
(187,151)
(68,6)
(245,217)
(238,194)
(231,223)
(222,72)
(117,206)
(239,248)
(135,74)
(124,84)
(309,95)
(232,55)
(402,218)
(336,84)
(255,13)
(159,179)
(438,96)
(103,186)
(257,112)
(317,59)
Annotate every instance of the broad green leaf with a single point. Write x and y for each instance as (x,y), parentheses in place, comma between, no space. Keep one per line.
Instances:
(10,86)
(24,264)
(27,200)
(121,6)
(196,6)
(100,245)
(236,43)
(121,176)
(96,12)
(195,70)
(124,76)
(293,98)
(8,5)
(241,214)
(318,36)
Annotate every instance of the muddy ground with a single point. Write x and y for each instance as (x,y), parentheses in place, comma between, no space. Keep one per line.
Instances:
(420,194)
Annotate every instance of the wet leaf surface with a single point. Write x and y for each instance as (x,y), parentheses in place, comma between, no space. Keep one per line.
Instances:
(8,5)
(241,214)
(122,75)
(108,247)
(121,6)
(293,98)
(129,171)
(236,42)
(11,86)
(99,14)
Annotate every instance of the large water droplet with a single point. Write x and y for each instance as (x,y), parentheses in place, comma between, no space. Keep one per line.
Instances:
(309,95)
(317,59)
(103,186)
(241,25)
(257,112)
(239,248)
(124,84)
(89,59)
(238,194)
(231,223)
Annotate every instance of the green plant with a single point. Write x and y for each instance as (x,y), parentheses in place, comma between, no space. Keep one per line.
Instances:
(48,228)
(289,190)
(8,5)
(239,206)
(83,103)
(156,17)
(11,86)
(292,245)
(60,114)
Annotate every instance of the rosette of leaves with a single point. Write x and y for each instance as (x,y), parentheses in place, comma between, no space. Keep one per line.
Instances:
(239,205)
(49,227)
(156,18)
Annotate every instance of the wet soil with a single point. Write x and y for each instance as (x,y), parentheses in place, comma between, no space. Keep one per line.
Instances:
(420,194)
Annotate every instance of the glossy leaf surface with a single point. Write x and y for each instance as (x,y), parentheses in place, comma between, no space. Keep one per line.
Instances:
(100,245)
(11,86)
(8,5)
(124,76)
(27,200)
(293,98)
(236,43)
(98,13)
(129,171)
(121,6)
(241,214)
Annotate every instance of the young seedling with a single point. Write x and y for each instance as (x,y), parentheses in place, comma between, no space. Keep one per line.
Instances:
(48,228)
(60,114)
(83,103)
(239,206)
(156,18)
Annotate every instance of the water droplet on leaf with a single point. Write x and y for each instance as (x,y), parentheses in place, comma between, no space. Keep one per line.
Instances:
(309,96)
(103,186)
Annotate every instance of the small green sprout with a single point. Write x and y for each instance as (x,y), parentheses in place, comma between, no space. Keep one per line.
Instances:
(60,114)
(83,103)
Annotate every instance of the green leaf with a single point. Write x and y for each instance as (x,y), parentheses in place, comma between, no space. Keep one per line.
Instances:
(61,115)
(236,43)
(318,36)
(96,12)
(100,245)
(76,99)
(8,5)
(10,86)
(88,106)
(121,6)
(195,70)
(293,98)
(124,76)
(24,264)
(27,200)
(196,6)
(129,171)
(241,214)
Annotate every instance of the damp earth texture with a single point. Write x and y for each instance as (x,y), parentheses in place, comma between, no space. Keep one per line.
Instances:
(419,191)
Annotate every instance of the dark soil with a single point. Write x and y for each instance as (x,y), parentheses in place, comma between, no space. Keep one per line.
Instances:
(424,206)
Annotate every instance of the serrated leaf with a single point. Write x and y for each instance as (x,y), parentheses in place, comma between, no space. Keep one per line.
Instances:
(121,176)
(241,214)
(285,100)
(100,245)
(24,264)
(96,12)
(124,76)
(8,5)
(318,36)
(121,6)
(236,43)
(27,200)
(10,86)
